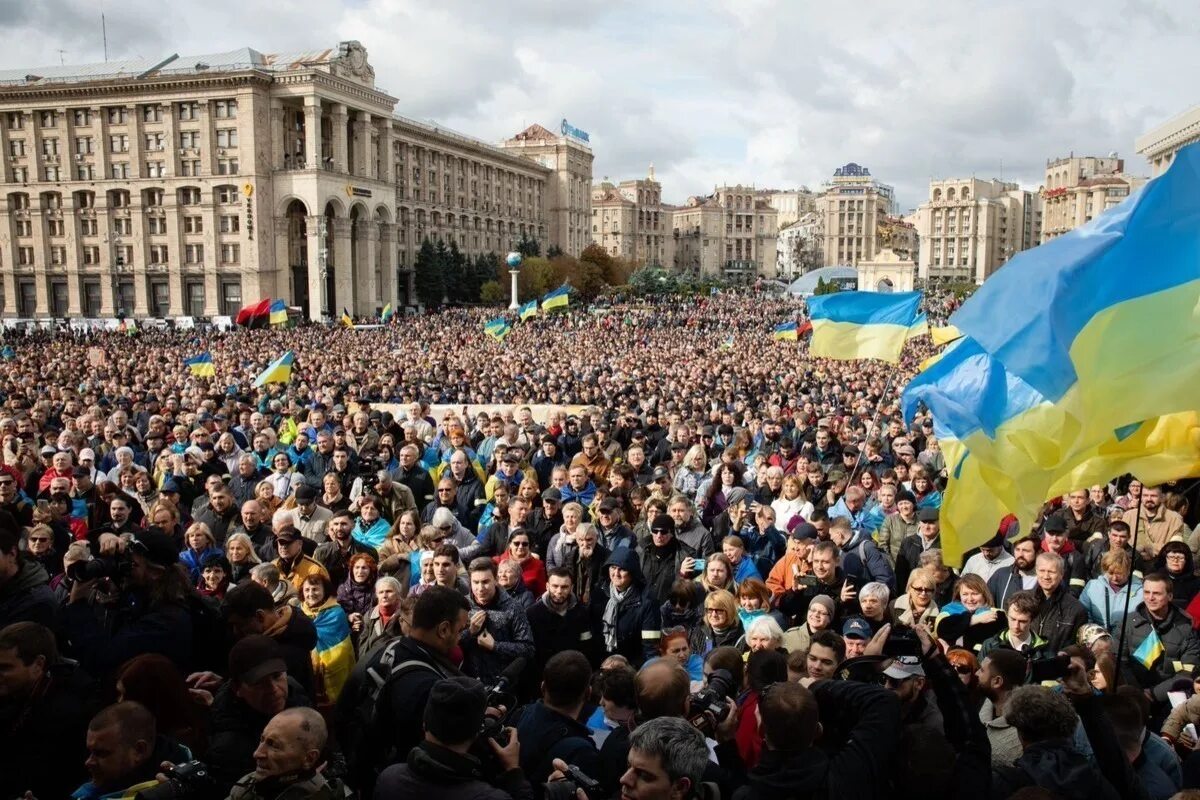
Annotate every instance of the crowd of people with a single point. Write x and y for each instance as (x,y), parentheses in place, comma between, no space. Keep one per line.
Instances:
(643,549)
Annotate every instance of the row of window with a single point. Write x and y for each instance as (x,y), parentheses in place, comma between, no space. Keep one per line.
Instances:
(119,115)
(119,143)
(224,194)
(230,255)
(158,297)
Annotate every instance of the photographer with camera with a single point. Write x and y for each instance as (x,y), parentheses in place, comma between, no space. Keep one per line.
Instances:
(443,765)
(662,691)
(550,728)
(138,601)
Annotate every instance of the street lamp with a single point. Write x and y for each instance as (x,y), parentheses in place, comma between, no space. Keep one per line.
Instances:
(513,260)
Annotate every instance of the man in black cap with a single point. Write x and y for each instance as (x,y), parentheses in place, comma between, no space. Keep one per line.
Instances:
(443,766)
(545,521)
(611,530)
(661,483)
(663,557)
(147,605)
(991,558)
(309,518)
(258,688)
(1056,540)
(927,537)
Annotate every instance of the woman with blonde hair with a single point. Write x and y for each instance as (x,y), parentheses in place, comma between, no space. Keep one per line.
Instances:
(790,503)
(691,472)
(721,626)
(918,604)
(239,549)
(403,540)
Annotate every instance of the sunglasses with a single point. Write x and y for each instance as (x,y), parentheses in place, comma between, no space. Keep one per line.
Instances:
(963,669)
(39,538)
(922,589)
(715,611)
(524,545)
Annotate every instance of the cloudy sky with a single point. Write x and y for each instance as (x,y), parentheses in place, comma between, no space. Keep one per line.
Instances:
(765,92)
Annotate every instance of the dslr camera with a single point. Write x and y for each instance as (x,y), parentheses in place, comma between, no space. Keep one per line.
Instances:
(112,567)
(574,779)
(188,781)
(709,706)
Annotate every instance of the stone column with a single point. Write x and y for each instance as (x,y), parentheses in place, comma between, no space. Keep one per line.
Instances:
(344,269)
(387,162)
(387,257)
(312,132)
(362,145)
(367,248)
(174,271)
(278,136)
(316,284)
(340,153)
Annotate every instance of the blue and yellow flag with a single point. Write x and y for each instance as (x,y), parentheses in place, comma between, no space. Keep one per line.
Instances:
(278,312)
(1150,650)
(8,353)
(334,653)
(559,298)
(497,328)
(728,343)
(278,371)
(785,331)
(201,365)
(528,310)
(1077,363)
(388,312)
(944,334)
(918,328)
(850,325)
(346,319)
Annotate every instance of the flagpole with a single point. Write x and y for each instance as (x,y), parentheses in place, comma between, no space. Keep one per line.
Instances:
(874,420)
(1137,524)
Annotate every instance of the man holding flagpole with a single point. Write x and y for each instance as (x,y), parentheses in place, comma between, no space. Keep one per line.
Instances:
(1159,639)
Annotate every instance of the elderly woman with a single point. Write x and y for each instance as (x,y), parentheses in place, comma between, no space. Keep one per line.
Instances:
(357,593)
(264,493)
(1106,596)
(819,617)
(918,606)
(370,528)
(873,600)
(282,479)
(401,543)
(387,620)
(229,452)
(531,568)
(508,577)
(763,633)
(333,657)
(562,542)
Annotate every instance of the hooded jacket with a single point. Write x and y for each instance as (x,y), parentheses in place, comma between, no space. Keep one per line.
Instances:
(26,597)
(638,626)
(862,558)
(509,627)
(660,566)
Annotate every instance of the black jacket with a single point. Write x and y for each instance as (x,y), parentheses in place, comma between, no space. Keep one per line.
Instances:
(26,597)
(554,632)
(234,731)
(909,557)
(638,627)
(418,482)
(859,768)
(44,736)
(296,637)
(1059,617)
(436,772)
(1179,642)
(1004,583)
(660,566)
(105,637)
(545,735)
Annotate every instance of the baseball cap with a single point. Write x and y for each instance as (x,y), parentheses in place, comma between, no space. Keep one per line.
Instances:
(736,495)
(927,515)
(255,657)
(511,458)
(87,454)
(49,450)
(856,628)
(1054,524)
(552,494)
(169,485)
(609,504)
(306,493)
(661,473)
(82,472)
(802,530)
(287,534)
(905,667)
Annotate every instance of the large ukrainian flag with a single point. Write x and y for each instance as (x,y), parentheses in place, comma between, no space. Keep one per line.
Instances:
(278,371)
(1078,359)
(559,298)
(850,325)
(201,365)
(333,657)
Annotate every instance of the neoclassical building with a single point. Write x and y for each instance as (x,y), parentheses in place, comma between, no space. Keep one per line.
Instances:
(193,185)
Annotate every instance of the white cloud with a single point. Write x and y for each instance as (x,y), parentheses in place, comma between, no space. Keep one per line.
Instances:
(764,92)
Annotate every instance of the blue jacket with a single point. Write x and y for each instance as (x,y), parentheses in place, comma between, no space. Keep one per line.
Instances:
(1106,607)
(638,624)
(372,536)
(764,549)
(584,496)
(192,560)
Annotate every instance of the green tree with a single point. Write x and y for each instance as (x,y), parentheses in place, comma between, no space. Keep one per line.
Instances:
(455,277)
(428,275)
(605,264)
(527,247)
(826,287)
(537,277)
(492,292)
(553,252)
(654,281)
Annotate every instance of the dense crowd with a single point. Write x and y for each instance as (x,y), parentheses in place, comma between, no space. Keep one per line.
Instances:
(642,549)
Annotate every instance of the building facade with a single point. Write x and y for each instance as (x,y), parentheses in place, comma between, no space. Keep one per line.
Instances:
(969,228)
(851,206)
(790,205)
(1159,145)
(1080,188)
(568,193)
(195,185)
(799,246)
(730,234)
(629,221)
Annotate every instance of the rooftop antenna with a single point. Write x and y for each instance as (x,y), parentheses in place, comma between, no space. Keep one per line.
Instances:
(61,60)
(104,32)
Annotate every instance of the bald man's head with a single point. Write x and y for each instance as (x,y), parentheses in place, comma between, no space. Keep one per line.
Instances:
(662,690)
(293,742)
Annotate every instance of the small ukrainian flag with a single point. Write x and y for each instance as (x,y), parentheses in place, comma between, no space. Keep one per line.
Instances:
(278,371)
(1150,650)
(347,320)
(559,298)
(497,328)
(278,312)
(201,366)
(388,313)
(785,331)
(528,310)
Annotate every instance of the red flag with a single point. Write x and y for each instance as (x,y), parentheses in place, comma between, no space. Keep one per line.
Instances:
(255,315)
(805,327)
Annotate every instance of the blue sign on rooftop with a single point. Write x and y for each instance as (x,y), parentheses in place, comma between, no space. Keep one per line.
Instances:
(569,130)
